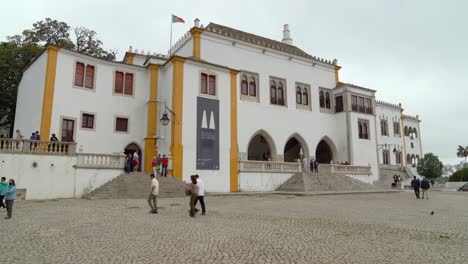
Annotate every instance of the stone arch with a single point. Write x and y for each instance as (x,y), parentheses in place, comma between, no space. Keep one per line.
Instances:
(292,148)
(259,144)
(415,132)
(413,160)
(131,148)
(325,152)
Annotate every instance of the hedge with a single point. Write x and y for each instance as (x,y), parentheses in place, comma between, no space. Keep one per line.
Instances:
(459,176)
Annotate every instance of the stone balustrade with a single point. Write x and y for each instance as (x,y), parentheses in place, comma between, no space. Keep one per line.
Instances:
(10,145)
(269,166)
(348,169)
(100,161)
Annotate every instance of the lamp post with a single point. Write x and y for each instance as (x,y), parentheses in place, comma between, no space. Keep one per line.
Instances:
(165,118)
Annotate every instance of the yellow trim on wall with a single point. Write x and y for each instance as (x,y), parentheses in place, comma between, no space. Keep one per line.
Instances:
(196,35)
(130,57)
(151,123)
(337,77)
(49,87)
(234,155)
(177,149)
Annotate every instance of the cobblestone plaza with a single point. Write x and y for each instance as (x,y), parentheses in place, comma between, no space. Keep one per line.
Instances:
(360,228)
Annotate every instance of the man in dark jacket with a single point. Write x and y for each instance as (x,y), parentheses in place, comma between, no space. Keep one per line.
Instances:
(415,183)
(425,187)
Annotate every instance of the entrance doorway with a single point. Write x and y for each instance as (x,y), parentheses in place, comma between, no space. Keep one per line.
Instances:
(131,149)
(324,153)
(259,149)
(292,150)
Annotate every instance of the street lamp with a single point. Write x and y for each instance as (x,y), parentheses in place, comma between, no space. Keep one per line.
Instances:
(165,118)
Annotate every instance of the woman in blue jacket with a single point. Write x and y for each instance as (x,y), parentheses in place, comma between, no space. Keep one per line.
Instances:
(10,198)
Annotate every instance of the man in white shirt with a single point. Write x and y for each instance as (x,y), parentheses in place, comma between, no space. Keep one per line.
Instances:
(153,203)
(201,194)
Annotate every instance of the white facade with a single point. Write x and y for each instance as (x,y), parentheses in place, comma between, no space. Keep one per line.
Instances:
(288,131)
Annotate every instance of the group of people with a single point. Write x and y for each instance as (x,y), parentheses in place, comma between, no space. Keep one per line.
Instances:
(132,161)
(159,165)
(396,180)
(313,165)
(344,162)
(7,193)
(195,189)
(424,185)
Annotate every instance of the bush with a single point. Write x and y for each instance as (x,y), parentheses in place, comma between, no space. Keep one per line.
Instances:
(459,176)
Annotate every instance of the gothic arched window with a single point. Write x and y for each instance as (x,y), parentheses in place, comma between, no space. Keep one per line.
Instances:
(252,87)
(322,100)
(305,97)
(298,95)
(273,98)
(244,85)
(327,100)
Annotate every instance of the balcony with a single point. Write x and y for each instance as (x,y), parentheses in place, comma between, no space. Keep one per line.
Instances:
(269,166)
(26,146)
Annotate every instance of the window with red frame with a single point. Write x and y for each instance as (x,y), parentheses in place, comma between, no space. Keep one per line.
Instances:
(212,85)
(121,124)
(204,83)
(79,74)
(119,81)
(89,80)
(128,84)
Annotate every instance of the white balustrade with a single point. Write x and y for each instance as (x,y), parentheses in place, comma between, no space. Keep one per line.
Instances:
(100,161)
(37,146)
(269,166)
(348,169)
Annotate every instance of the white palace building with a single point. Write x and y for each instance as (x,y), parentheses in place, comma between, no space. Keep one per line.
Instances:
(236,108)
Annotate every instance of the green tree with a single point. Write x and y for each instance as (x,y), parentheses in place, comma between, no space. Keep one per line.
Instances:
(459,176)
(88,44)
(49,31)
(462,152)
(430,166)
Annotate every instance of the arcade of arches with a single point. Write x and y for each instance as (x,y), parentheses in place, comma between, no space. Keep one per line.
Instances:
(261,149)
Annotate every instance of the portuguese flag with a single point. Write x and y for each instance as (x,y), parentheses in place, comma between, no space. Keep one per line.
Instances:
(176,19)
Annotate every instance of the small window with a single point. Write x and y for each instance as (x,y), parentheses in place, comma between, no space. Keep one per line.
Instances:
(244,85)
(212,85)
(129,83)
(119,81)
(87,121)
(384,127)
(79,74)
(252,87)
(121,124)
(298,95)
(322,99)
(89,80)
(280,94)
(363,127)
(273,92)
(354,104)
(305,97)
(204,83)
(339,104)
(412,145)
(327,100)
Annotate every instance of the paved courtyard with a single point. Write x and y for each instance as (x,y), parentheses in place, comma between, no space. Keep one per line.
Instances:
(364,228)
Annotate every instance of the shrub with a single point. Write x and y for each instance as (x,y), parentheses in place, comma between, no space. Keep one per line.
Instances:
(459,176)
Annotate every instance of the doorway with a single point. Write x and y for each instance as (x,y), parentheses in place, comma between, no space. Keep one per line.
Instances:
(131,149)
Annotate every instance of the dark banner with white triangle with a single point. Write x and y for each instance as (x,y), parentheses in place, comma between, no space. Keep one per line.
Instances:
(207,134)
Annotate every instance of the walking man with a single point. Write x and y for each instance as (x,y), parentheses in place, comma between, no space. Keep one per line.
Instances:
(152,197)
(10,198)
(316,165)
(193,192)
(425,187)
(201,195)
(3,189)
(415,183)
(165,163)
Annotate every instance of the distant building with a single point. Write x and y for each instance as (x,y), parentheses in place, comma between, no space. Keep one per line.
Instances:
(228,96)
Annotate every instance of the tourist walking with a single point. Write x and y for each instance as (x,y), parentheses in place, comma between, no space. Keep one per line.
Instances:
(154,165)
(316,166)
(192,190)
(425,187)
(3,190)
(152,197)
(201,194)
(135,161)
(415,183)
(10,198)
(165,163)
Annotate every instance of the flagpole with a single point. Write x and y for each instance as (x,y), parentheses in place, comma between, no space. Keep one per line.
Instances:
(170,42)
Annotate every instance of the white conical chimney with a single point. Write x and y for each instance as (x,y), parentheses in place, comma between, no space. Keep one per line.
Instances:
(287,35)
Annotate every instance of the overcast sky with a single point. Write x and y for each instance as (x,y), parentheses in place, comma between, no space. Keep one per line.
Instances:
(413,52)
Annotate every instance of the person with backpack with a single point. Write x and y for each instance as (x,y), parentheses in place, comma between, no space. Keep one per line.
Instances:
(416,184)
(425,186)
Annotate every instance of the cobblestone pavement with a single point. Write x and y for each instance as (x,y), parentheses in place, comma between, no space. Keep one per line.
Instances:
(364,228)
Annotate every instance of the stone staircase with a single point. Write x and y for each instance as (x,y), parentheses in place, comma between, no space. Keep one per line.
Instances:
(137,185)
(324,180)
(386,177)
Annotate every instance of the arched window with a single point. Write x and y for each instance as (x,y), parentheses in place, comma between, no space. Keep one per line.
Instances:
(322,100)
(244,85)
(406,131)
(408,159)
(412,145)
(280,94)
(298,95)
(305,97)
(327,100)
(415,133)
(273,98)
(361,135)
(204,83)
(413,160)
(365,131)
(252,87)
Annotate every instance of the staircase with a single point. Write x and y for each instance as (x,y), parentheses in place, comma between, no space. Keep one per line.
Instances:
(386,177)
(324,180)
(137,185)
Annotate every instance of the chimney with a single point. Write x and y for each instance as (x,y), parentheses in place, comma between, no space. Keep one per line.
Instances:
(196,22)
(287,35)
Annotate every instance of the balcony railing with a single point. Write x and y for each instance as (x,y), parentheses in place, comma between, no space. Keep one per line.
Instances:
(269,166)
(348,169)
(100,161)
(37,146)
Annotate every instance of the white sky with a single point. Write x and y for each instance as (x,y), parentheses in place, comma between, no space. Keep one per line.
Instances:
(411,52)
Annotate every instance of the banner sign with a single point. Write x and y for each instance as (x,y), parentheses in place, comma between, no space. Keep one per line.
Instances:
(207,134)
